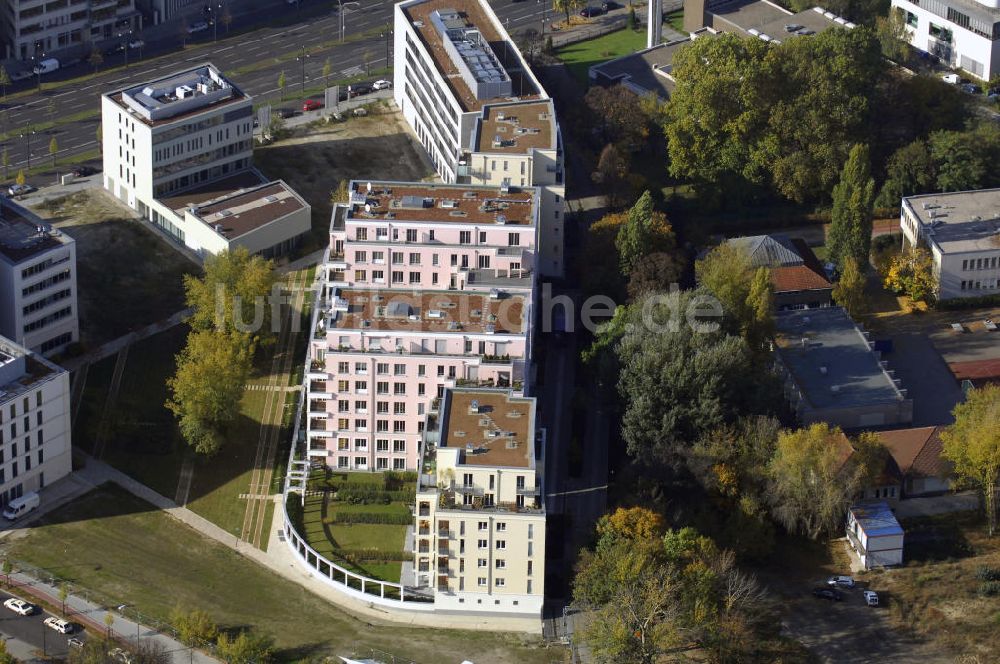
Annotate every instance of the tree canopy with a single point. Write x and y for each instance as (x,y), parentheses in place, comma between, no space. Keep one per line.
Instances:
(972,444)
(232,293)
(850,236)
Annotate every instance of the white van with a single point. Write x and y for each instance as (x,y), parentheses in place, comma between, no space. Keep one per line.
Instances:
(21,506)
(46,66)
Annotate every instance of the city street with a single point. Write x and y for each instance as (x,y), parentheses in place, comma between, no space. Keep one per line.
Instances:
(254,60)
(27,634)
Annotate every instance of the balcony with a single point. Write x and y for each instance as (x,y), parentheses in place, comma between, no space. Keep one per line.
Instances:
(498,278)
(529,491)
(446,534)
(471,490)
(444,551)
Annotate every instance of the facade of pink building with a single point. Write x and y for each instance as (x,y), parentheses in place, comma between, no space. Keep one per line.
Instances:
(425,286)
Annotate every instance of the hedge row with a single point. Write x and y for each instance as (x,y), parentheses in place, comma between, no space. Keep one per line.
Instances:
(989,588)
(378,518)
(367,496)
(985,573)
(373,555)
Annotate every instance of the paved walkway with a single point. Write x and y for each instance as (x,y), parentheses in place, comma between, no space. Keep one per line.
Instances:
(919,507)
(115,345)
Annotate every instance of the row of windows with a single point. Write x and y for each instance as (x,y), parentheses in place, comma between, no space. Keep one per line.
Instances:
(382,407)
(381,426)
(45,283)
(27,446)
(41,266)
(51,318)
(381,387)
(381,445)
(25,407)
(46,301)
(26,425)
(988,263)
(56,341)
(987,284)
(361,463)
(14,467)
(361,234)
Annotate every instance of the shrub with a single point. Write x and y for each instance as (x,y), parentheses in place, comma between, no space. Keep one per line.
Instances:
(363,495)
(986,573)
(401,519)
(373,555)
(989,588)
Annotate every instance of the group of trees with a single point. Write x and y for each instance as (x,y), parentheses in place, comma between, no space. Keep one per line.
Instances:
(231,316)
(653,591)
(197,629)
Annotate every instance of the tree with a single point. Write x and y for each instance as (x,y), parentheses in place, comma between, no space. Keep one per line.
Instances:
(151,652)
(812,482)
(849,291)
(910,171)
(96,59)
(281,84)
(631,523)
(94,651)
(5,81)
(631,21)
(366,58)
(912,272)
(654,273)
(893,35)
(5,656)
(247,647)
(612,171)
(745,292)
(850,235)
(227,18)
(601,272)
(341,194)
(194,628)
(963,159)
(20,179)
(206,389)
(53,149)
(327,70)
(8,567)
(109,620)
(232,295)
(5,158)
(972,443)
(620,117)
(643,232)
(567,6)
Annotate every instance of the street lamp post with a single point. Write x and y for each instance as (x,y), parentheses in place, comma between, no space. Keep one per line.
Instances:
(302,60)
(215,20)
(124,37)
(340,11)
(388,44)
(26,135)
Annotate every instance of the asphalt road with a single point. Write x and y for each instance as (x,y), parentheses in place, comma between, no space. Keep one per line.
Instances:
(31,630)
(270,48)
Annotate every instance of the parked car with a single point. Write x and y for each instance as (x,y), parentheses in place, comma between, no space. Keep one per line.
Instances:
(871,598)
(793,27)
(954,79)
(381,84)
(19,606)
(197,26)
(609,5)
(971,88)
(591,12)
(19,190)
(46,66)
(136,43)
(74,642)
(827,593)
(360,111)
(84,171)
(285,113)
(20,75)
(358,89)
(59,625)
(842,581)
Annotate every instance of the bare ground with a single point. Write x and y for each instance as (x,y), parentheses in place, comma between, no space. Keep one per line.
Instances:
(127,276)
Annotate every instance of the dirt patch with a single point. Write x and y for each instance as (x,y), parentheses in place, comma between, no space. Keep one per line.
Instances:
(127,277)
(314,159)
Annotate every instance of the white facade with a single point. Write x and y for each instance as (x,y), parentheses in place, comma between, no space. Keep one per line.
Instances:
(448,114)
(35,28)
(480,517)
(960,229)
(962,33)
(38,307)
(875,535)
(183,142)
(35,421)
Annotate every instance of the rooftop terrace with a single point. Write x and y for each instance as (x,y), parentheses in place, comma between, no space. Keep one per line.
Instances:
(831,360)
(490,426)
(245,210)
(516,128)
(442,203)
(959,221)
(23,234)
(213,190)
(495,312)
(471,13)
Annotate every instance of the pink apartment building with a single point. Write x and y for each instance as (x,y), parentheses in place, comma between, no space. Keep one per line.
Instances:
(426,286)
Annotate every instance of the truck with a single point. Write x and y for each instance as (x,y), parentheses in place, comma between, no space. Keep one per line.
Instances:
(46,66)
(18,507)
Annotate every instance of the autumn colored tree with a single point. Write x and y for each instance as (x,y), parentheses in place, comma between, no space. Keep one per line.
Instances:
(631,523)
(912,272)
(972,443)
(849,291)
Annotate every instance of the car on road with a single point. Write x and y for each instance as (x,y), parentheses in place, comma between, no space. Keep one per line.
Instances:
(871,598)
(59,625)
(197,26)
(74,642)
(591,12)
(842,581)
(827,593)
(358,89)
(19,189)
(312,105)
(19,606)
(381,84)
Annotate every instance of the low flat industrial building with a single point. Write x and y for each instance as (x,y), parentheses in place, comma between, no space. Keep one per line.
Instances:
(832,374)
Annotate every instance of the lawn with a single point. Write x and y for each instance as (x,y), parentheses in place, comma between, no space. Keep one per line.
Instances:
(127,276)
(937,593)
(675,20)
(579,57)
(121,550)
(331,538)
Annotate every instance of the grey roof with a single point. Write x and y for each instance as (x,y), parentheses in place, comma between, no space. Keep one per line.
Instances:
(830,359)
(769,250)
(958,222)
(646,70)
(759,17)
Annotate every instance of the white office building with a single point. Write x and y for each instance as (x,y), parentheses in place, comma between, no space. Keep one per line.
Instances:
(179,151)
(38,305)
(34,421)
(962,232)
(34,28)
(962,33)
(477,108)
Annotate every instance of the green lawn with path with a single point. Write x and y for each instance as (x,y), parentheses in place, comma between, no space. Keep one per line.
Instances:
(120,550)
(579,57)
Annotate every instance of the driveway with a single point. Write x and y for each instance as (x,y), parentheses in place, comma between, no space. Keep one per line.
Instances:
(925,377)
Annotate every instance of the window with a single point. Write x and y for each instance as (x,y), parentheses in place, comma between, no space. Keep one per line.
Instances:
(382,387)
(482,237)
(382,368)
(382,426)
(381,464)
(361,368)
(482,581)
(411,235)
(484,544)
(501,544)
(465,237)
(434,260)
(399,408)
(361,386)
(414,259)
(397,258)
(500,563)
(360,256)
(513,239)
(499,583)
(397,276)
(382,407)
(414,277)
(484,525)
(482,562)
(361,425)
(399,446)
(501,526)
(361,234)
(911,19)
(343,406)
(399,464)
(399,389)
(398,426)
(378,257)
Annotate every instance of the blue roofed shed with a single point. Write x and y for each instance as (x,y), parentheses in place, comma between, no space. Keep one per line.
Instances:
(875,535)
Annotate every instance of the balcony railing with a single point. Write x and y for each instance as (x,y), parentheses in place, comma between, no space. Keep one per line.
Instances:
(470,489)
(528,491)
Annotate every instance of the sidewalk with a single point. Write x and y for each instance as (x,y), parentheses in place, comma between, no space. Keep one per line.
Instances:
(115,345)
(91,616)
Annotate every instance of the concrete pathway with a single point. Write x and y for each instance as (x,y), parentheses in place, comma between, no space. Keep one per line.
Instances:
(115,345)
(918,507)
